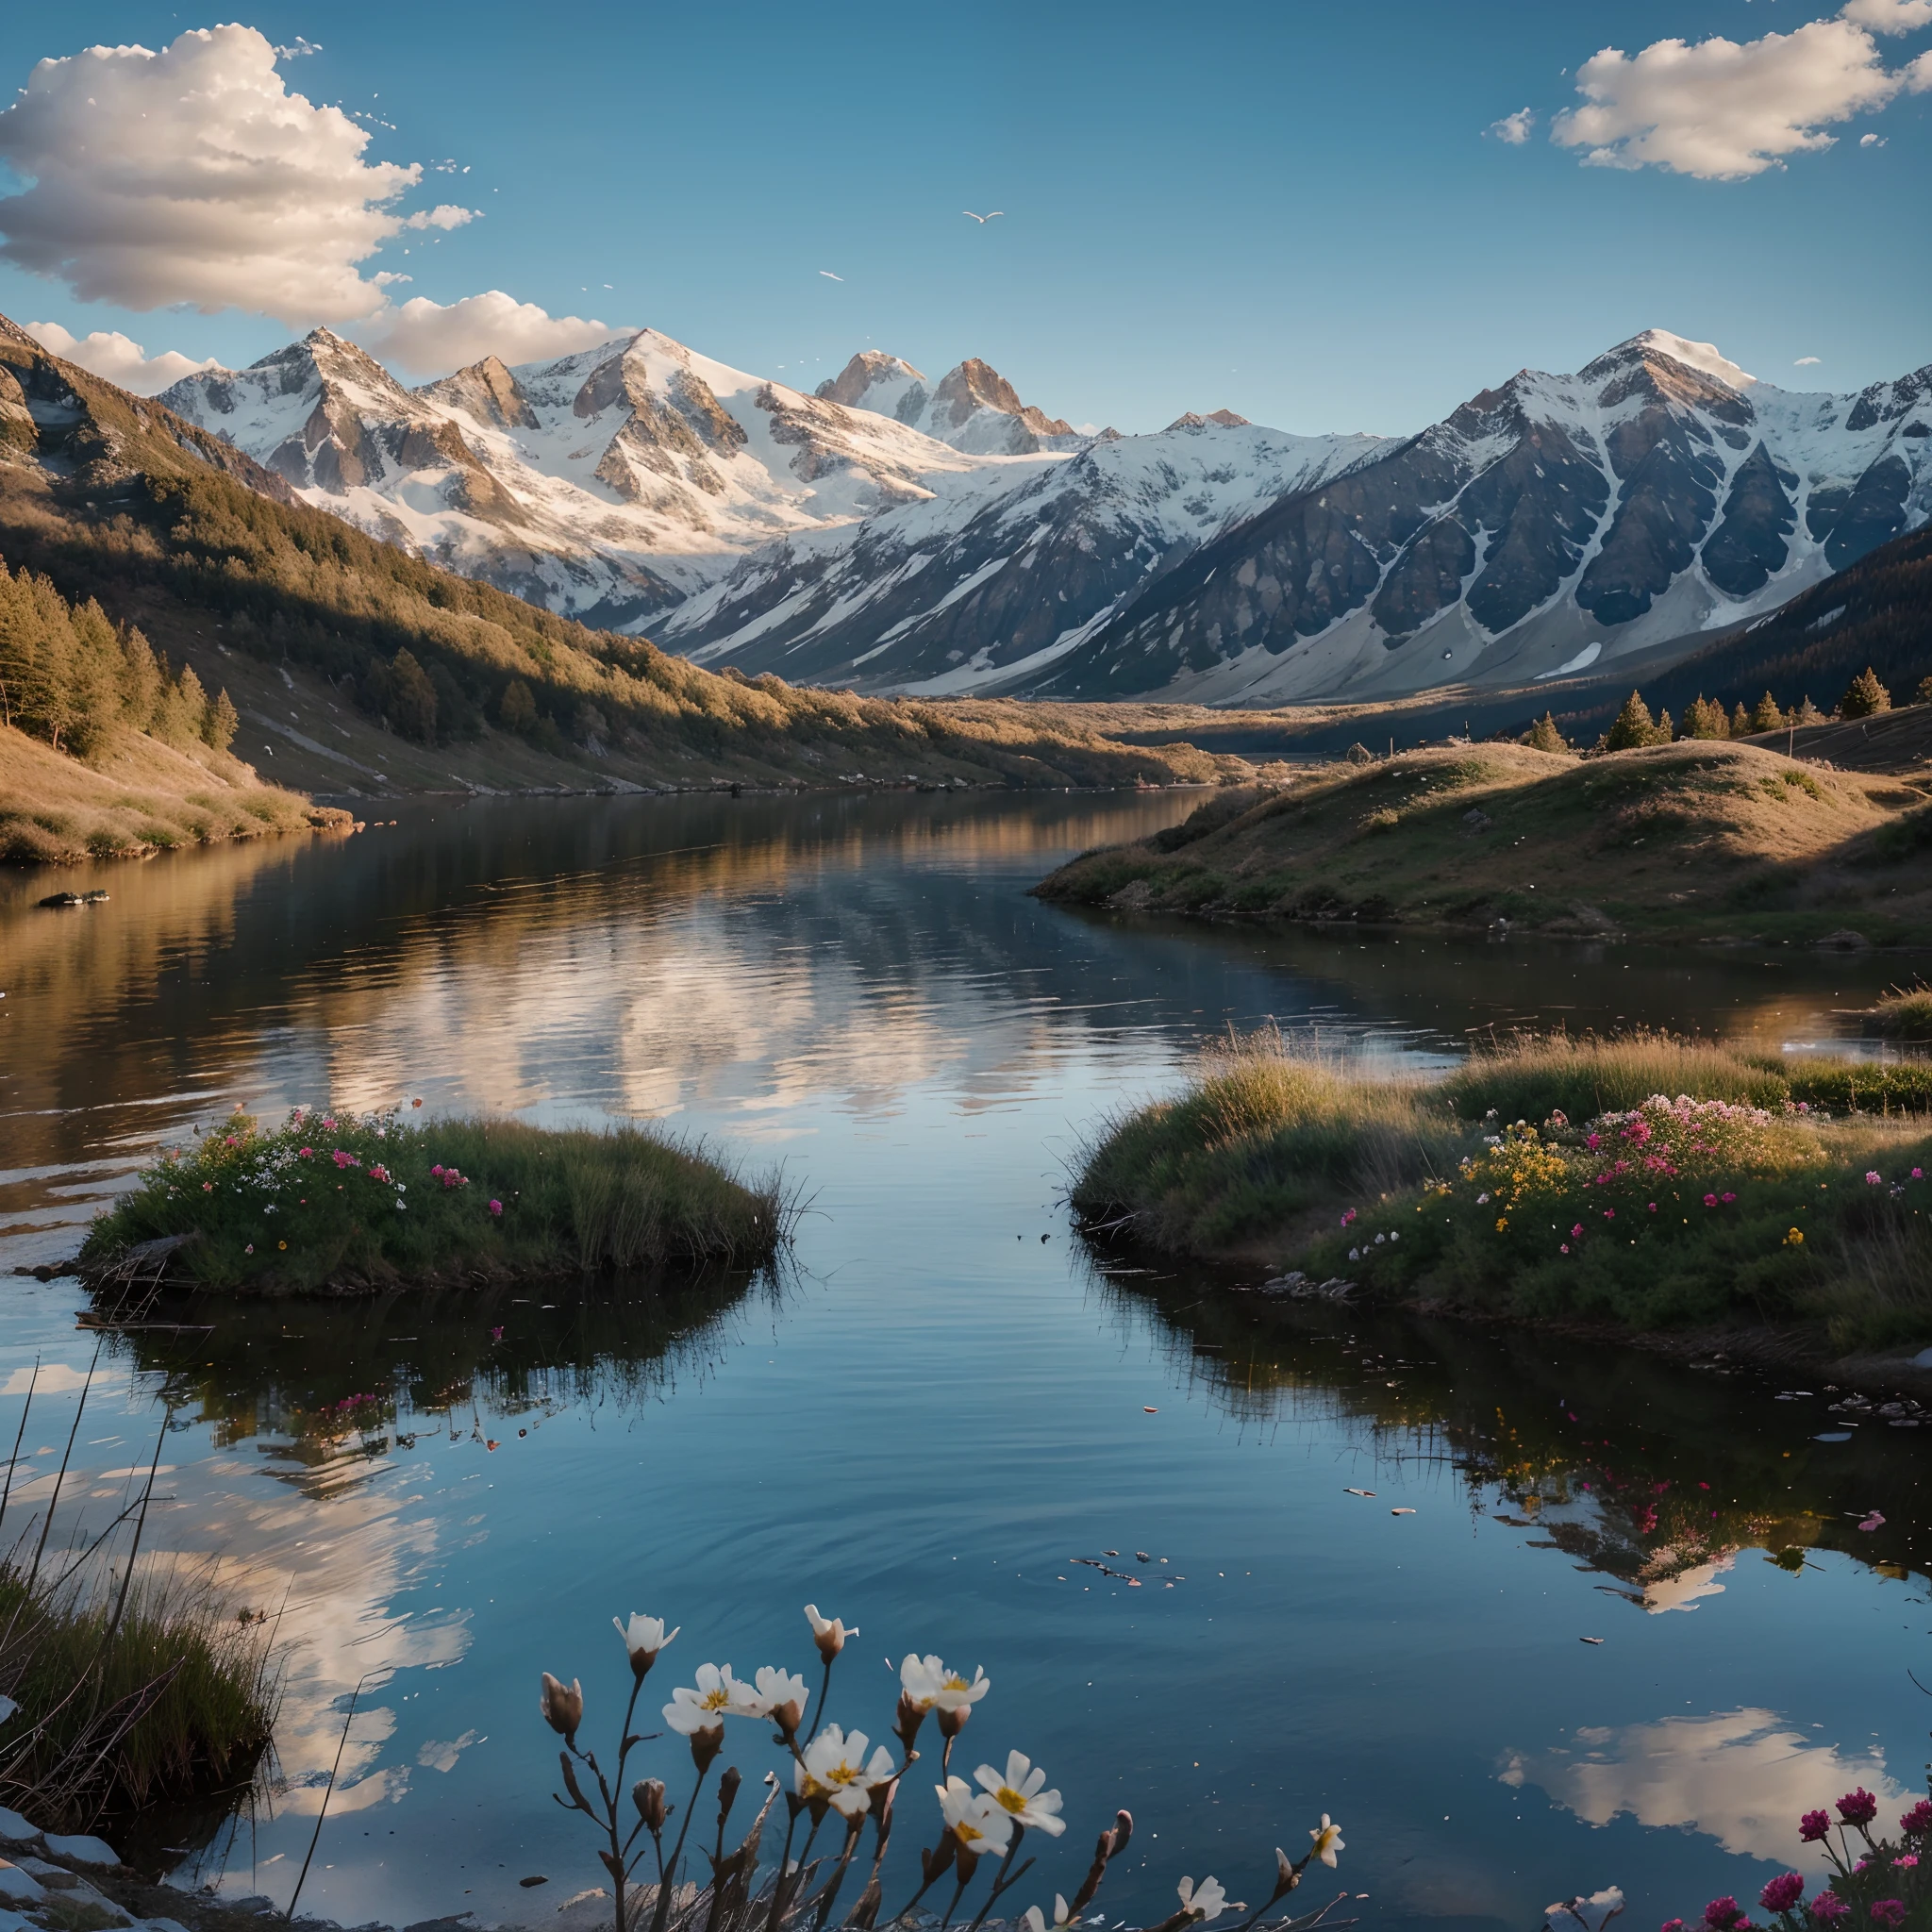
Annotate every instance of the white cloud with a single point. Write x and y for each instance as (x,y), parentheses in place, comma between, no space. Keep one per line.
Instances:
(116,356)
(194,175)
(427,337)
(1723,110)
(53,1378)
(444,214)
(1871,141)
(1808,362)
(1512,130)
(1740,1776)
(1889,16)
(298,48)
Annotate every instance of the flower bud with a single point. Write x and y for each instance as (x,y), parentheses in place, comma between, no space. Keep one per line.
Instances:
(1286,1876)
(562,1708)
(1122,1831)
(727,1793)
(829,1634)
(706,1745)
(911,1714)
(647,1795)
(953,1721)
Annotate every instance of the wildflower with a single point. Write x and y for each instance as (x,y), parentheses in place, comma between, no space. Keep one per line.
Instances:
(928,1683)
(1593,1142)
(496,1208)
(1887,1911)
(1722,1913)
(644,1637)
(563,1709)
(1482,1200)
(1872,1181)
(1348,1217)
(1710,1200)
(1355,1254)
(1502,1222)
(1794,1238)
(1575,1233)
(1035,1919)
(1782,1893)
(341,1159)
(1327,1838)
(647,1795)
(436,1171)
(1858,1807)
(249,1249)
(1609,1214)
(208,1186)
(1730,1197)
(305,1152)
(1566,1247)
(281,1245)
(1018,1791)
(1829,1907)
(834,1771)
(718,1695)
(1918,1820)
(497,1335)
(1905,1863)
(973,1818)
(1205,1901)
(782,1694)
(828,1634)
(1918,1173)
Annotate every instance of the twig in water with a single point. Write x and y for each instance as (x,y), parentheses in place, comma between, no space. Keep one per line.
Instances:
(316,1837)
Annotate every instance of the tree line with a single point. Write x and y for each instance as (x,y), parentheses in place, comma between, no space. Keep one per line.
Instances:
(69,675)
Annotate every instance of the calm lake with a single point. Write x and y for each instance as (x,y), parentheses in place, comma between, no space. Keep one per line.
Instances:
(947,1398)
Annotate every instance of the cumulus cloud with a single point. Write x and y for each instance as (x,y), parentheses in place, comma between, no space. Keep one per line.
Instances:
(427,338)
(1723,110)
(1808,362)
(194,175)
(1512,130)
(444,214)
(1889,16)
(1871,141)
(110,353)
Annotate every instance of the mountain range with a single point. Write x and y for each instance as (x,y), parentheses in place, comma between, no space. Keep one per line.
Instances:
(945,537)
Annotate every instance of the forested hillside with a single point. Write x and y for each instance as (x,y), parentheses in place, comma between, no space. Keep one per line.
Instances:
(116,500)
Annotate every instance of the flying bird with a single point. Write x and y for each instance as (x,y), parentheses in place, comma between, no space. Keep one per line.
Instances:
(830,276)
(982,220)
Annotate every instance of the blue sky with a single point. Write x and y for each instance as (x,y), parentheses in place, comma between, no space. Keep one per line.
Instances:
(1293,211)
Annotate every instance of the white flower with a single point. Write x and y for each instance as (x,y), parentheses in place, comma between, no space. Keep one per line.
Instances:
(828,1633)
(1035,1919)
(1327,1841)
(1205,1901)
(835,1769)
(1019,1793)
(718,1695)
(643,1637)
(782,1694)
(927,1682)
(973,1818)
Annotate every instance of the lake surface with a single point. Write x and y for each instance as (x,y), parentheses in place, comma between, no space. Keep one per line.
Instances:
(947,1398)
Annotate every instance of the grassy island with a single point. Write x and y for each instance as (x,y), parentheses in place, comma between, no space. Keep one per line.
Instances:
(1648,1183)
(1700,839)
(342,1203)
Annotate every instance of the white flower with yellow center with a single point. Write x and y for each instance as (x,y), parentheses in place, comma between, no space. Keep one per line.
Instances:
(973,1818)
(718,1695)
(835,1767)
(1203,1901)
(643,1637)
(1327,1841)
(929,1684)
(1019,1793)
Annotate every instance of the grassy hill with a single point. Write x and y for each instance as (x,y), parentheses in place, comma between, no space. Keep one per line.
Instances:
(1697,840)
(415,679)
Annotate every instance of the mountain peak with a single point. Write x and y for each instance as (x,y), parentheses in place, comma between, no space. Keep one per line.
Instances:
(868,370)
(1214,419)
(1703,357)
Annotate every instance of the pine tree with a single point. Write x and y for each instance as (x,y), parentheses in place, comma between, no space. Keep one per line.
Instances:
(140,681)
(1807,713)
(1705,718)
(1741,720)
(1924,694)
(1543,735)
(223,722)
(1765,715)
(516,710)
(1865,697)
(411,698)
(1665,730)
(1634,726)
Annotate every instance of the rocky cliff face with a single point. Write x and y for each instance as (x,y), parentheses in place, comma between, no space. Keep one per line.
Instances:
(971,408)
(1555,523)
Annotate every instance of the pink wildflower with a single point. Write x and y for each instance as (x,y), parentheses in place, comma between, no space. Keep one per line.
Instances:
(1829,1907)
(1918,1820)
(496,1206)
(1609,1214)
(1858,1806)
(1576,1232)
(1871,1180)
(1722,1913)
(1710,1200)
(1730,1197)
(1905,1863)
(1887,1911)
(1918,1173)
(1782,1893)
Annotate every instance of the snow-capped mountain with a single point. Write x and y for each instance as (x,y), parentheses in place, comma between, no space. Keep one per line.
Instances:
(607,485)
(971,407)
(1554,524)
(998,575)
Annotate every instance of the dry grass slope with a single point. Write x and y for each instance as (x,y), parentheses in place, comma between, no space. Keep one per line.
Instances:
(1693,840)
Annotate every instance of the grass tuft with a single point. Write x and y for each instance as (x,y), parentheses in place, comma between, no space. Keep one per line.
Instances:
(1905,1013)
(349,1203)
(1531,1075)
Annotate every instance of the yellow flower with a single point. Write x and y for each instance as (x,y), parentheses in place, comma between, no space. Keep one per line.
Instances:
(1501,1224)
(1795,1239)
